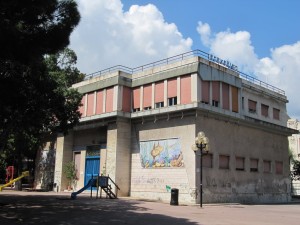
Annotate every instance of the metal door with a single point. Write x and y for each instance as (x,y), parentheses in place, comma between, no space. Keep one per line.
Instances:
(92,166)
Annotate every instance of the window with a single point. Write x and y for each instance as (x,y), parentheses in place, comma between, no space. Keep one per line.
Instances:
(136,109)
(264,110)
(251,106)
(224,162)
(276,113)
(172,101)
(215,103)
(278,167)
(207,160)
(243,102)
(267,166)
(240,163)
(159,105)
(253,165)
(147,108)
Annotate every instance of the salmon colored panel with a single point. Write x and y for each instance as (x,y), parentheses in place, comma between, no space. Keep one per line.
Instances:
(235,99)
(252,105)
(216,91)
(225,94)
(109,99)
(99,103)
(185,89)
(264,110)
(147,95)
(126,103)
(172,88)
(205,91)
(159,92)
(136,98)
(90,104)
(81,108)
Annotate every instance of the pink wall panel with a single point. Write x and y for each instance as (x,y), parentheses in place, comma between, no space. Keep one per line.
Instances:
(126,102)
(172,88)
(81,108)
(159,92)
(225,94)
(216,90)
(147,95)
(90,104)
(99,103)
(136,98)
(109,99)
(205,91)
(185,89)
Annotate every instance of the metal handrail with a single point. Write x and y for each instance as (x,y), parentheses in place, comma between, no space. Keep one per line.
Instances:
(181,57)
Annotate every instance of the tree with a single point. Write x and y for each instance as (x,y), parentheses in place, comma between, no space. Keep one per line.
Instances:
(295,172)
(35,99)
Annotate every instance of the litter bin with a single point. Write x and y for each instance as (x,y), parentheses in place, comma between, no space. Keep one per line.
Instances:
(174,196)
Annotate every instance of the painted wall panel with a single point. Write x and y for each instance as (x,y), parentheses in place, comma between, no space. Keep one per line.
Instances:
(99,103)
(126,101)
(159,92)
(147,95)
(109,99)
(225,95)
(172,88)
(90,104)
(136,97)
(185,89)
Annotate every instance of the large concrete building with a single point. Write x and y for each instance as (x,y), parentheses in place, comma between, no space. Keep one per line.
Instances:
(294,144)
(138,126)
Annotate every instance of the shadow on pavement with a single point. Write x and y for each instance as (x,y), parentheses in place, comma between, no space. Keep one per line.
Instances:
(60,210)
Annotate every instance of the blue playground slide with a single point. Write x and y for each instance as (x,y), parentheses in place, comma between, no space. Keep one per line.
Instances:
(89,184)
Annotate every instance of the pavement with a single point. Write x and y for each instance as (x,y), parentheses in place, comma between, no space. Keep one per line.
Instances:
(57,208)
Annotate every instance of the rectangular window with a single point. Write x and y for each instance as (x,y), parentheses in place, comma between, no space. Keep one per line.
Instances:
(172,87)
(215,103)
(235,99)
(276,113)
(252,106)
(264,110)
(207,160)
(159,92)
(267,166)
(205,92)
(172,101)
(240,163)
(185,89)
(224,161)
(279,167)
(225,95)
(216,91)
(136,99)
(147,108)
(243,103)
(147,97)
(253,165)
(159,105)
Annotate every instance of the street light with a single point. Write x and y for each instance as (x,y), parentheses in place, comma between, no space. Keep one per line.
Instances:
(201,143)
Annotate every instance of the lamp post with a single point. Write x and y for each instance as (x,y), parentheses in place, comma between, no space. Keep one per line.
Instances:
(201,144)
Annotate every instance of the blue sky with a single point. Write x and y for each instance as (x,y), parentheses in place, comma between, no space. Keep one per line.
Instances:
(262,37)
(272,23)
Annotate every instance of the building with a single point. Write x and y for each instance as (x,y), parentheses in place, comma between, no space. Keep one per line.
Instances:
(138,126)
(294,144)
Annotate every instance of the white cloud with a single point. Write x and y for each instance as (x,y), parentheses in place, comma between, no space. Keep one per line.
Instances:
(281,69)
(108,36)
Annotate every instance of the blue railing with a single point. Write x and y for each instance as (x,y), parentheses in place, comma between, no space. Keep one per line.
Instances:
(182,57)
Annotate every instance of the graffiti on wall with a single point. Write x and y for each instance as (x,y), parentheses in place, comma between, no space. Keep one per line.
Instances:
(161,153)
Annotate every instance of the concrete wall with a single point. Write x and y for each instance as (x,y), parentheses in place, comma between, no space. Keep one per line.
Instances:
(150,183)
(231,185)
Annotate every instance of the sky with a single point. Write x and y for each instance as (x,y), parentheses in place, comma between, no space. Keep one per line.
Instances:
(261,37)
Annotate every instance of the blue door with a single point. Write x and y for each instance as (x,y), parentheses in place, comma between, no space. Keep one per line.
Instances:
(92,166)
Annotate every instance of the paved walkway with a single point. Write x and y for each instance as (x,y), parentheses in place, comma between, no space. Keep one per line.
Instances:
(56,208)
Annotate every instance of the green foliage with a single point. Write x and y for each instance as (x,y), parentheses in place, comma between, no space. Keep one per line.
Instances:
(295,172)
(35,96)
(70,172)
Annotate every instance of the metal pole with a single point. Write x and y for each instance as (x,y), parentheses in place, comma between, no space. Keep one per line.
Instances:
(201,147)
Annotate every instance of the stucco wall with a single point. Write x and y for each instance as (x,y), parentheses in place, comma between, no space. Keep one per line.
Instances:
(150,183)
(231,185)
